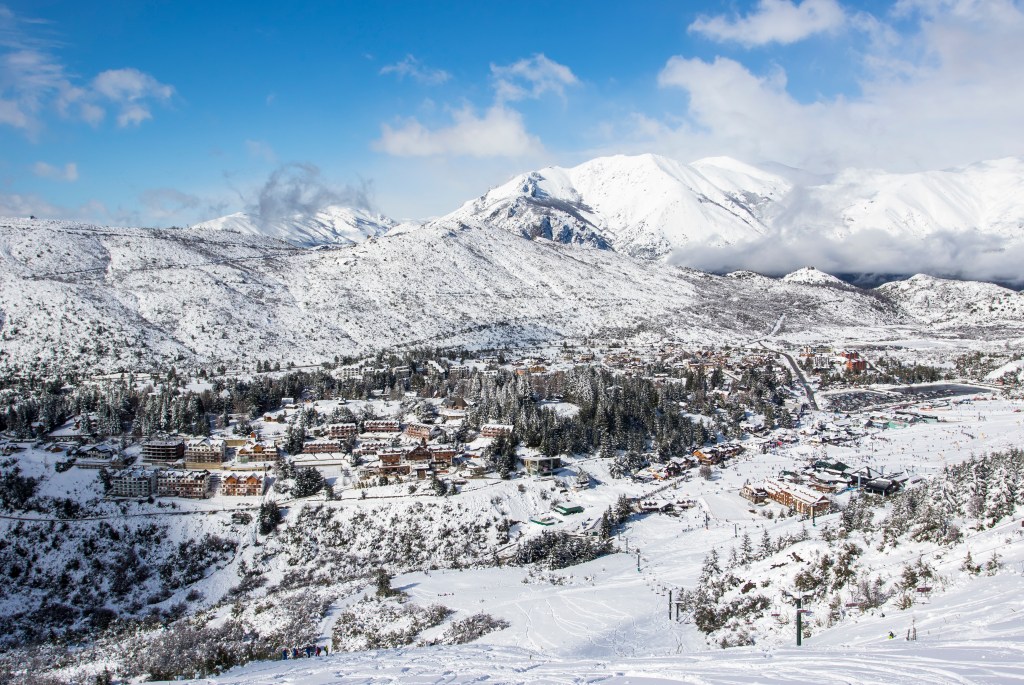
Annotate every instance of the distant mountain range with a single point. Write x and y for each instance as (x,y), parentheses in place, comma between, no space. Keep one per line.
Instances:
(720,214)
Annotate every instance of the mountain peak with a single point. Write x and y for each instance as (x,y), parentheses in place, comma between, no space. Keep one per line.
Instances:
(811,276)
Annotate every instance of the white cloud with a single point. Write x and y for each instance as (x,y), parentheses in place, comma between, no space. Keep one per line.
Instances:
(940,97)
(774,21)
(417,71)
(69,172)
(131,90)
(530,78)
(500,132)
(33,81)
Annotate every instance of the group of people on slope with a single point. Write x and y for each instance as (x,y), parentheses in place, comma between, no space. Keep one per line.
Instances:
(308,651)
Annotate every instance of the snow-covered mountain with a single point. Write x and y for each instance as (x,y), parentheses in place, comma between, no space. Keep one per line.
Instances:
(720,212)
(977,201)
(93,297)
(333,224)
(643,205)
(943,302)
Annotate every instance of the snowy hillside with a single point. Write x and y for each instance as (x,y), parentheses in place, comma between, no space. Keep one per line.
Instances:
(116,298)
(329,226)
(607,620)
(122,298)
(947,303)
(645,205)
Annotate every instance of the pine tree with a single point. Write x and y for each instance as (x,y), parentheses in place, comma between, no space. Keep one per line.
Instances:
(269,517)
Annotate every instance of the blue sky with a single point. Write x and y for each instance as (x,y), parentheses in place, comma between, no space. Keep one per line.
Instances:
(172,112)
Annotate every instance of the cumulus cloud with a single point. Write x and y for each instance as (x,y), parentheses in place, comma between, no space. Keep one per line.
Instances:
(774,21)
(417,71)
(69,172)
(33,81)
(299,189)
(938,98)
(131,91)
(531,78)
(499,132)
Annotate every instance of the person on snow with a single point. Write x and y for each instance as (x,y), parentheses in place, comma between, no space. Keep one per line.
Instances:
(284,654)
(891,635)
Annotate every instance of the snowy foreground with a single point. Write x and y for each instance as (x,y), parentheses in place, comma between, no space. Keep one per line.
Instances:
(965,661)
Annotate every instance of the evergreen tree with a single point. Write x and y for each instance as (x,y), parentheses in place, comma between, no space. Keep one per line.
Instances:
(308,481)
(269,517)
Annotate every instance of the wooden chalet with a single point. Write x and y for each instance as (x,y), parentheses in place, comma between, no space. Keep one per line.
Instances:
(243,485)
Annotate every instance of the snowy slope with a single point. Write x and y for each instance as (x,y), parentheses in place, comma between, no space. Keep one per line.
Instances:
(985,199)
(128,297)
(330,225)
(604,622)
(643,205)
(945,303)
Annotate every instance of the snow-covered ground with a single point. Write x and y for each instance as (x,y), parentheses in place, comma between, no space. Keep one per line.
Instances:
(607,621)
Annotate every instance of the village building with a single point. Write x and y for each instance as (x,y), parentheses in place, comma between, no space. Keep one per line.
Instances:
(494,430)
(797,497)
(419,431)
(420,453)
(754,493)
(163,451)
(338,431)
(174,483)
(348,372)
(369,447)
(442,456)
(381,426)
(541,465)
(134,483)
(202,453)
(321,447)
(97,457)
(243,485)
(392,463)
(256,451)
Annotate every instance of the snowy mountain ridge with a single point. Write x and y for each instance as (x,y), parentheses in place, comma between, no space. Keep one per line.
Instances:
(331,225)
(77,295)
(721,215)
(720,211)
(644,205)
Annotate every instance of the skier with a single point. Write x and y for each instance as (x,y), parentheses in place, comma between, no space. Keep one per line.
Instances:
(284,654)
(891,635)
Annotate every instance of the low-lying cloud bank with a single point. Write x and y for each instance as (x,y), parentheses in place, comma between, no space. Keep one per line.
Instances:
(947,254)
